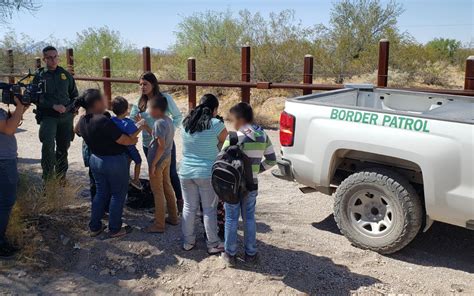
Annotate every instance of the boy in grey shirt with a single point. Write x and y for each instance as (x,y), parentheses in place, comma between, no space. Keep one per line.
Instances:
(159,160)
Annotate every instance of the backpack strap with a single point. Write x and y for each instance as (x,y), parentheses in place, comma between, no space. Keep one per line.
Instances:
(233,138)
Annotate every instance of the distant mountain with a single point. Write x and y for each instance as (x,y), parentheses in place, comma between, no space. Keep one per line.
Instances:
(159,51)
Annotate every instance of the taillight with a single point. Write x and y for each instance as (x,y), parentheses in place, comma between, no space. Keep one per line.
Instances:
(287,129)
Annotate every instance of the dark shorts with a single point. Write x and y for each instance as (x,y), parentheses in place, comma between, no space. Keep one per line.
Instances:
(134,154)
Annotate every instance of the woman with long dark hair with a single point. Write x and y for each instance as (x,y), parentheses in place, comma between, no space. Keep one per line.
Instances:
(151,90)
(203,133)
(108,162)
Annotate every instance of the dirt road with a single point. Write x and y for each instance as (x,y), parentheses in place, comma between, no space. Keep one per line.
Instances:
(301,251)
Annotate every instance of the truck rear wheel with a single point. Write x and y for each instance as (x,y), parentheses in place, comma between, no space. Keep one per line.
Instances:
(378,209)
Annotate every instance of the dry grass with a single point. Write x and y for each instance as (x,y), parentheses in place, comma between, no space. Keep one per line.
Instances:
(33,202)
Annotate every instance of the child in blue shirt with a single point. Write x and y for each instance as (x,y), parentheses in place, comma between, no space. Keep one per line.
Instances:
(120,107)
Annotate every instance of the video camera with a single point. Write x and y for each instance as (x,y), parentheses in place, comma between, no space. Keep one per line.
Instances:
(27,93)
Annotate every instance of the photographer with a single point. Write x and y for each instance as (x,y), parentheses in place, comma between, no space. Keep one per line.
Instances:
(56,123)
(8,171)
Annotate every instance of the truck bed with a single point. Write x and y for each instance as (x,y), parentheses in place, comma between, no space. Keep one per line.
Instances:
(419,104)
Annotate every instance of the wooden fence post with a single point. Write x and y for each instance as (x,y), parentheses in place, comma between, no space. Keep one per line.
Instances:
(308,73)
(70,60)
(146,59)
(11,66)
(382,76)
(107,84)
(37,62)
(191,88)
(469,74)
(245,56)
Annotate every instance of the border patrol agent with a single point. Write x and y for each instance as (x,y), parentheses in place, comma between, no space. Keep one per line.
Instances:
(56,122)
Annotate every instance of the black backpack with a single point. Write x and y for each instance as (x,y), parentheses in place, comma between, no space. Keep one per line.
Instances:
(140,199)
(230,172)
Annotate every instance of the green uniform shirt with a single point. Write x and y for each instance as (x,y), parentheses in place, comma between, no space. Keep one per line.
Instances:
(60,88)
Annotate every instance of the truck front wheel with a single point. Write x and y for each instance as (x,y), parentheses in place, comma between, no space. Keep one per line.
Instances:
(378,209)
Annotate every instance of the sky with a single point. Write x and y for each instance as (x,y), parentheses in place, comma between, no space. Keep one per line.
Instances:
(153,23)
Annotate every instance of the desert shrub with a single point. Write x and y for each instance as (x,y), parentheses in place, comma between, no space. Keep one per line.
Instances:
(344,51)
(399,78)
(92,44)
(33,201)
(25,49)
(213,38)
(279,44)
(435,74)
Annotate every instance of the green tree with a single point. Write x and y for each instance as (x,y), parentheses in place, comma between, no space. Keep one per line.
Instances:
(444,48)
(279,44)
(356,26)
(92,44)
(213,38)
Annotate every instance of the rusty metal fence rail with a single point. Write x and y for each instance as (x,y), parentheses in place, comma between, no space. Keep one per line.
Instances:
(246,83)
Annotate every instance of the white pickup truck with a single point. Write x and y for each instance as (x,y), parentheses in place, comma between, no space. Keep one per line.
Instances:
(397,160)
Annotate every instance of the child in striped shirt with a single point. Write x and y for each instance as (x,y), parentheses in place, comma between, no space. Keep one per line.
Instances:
(258,147)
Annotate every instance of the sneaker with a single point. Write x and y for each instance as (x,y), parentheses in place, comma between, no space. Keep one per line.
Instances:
(7,251)
(251,259)
(171,222)
(136,184)
(188,247)
(122,232)
(152,228)
(228,259)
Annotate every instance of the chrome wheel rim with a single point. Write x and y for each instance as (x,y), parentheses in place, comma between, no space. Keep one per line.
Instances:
(371,212)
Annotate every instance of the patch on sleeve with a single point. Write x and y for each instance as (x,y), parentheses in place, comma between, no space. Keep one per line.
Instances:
(63,76)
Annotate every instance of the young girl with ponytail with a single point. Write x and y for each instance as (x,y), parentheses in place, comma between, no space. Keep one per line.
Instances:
(204,131)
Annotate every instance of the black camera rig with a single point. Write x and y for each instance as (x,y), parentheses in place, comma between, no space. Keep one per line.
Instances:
(27,93)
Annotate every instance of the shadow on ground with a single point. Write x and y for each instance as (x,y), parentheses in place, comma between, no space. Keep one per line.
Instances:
(101,261)
(26,161)
(306,272)
(443,245)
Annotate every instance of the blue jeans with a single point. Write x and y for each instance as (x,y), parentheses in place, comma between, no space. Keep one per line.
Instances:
(111,180)
(8,187)
(232,213)
(134,154)
(195,192)
(173,172)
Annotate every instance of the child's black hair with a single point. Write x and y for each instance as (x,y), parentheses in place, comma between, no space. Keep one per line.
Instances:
(119,105)
(243,111)
(159,103)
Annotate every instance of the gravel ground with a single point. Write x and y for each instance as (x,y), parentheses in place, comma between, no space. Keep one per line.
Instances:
(301,251)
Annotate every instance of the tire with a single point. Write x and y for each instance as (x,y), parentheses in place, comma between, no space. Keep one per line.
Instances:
(379,210)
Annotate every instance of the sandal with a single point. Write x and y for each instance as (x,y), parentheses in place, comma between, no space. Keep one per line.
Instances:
(98,232)
(136,184)
(171,222)
(153,229)
(122,232)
